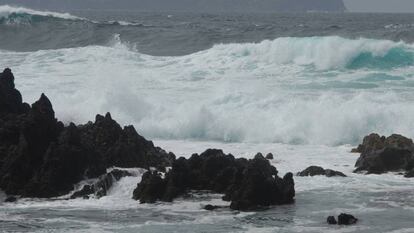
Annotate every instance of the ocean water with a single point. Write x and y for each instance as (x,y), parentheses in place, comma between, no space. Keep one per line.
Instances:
(306,87)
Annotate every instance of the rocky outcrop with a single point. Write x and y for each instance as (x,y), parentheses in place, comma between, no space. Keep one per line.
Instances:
(375,142)
(319,171)
(11,199)
(346,219)
(211,207)
(381,154)
(331,220)
(343,219)
(10,98)
(247,184)
(269,156)
(101,187)
(409,174)
(40,157)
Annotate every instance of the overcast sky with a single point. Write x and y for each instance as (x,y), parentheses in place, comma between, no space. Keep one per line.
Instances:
(380,5)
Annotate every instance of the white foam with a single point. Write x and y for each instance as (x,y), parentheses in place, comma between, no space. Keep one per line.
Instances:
(329,52)
(126,23)
(6,11)
(273,91)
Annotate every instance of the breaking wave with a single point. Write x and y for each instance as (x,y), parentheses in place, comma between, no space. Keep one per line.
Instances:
(323,52)
(315,90)
(9,14)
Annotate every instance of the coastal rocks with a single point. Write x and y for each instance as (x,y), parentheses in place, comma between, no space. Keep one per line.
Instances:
(41,157)
(151,188)
(331,220)
(10,98)
(319,171)
(409,174)
(269,156)
(211,207)
(346,219)
(10,199)
(381,154)
(102,185)
(374,142)
(247,184)
(343,219)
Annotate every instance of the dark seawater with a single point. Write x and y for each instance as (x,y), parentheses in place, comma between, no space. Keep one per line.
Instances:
(171,34)
(306,87)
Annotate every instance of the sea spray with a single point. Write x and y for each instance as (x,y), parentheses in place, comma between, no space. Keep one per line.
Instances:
(274,91)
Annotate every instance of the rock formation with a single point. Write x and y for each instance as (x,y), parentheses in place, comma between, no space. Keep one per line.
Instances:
(269,156)
(346,219)
(41,157)
(247,184)
(319,171)
(385,154)
(101,186)
(343,219)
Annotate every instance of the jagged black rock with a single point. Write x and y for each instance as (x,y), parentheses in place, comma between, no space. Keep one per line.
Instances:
(41,157)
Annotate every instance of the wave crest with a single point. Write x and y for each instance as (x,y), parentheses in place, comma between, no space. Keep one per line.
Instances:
(284,90)
(10,14)
(20,15)
(323,53)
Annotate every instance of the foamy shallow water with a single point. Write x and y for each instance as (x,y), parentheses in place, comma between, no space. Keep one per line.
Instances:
(383,203)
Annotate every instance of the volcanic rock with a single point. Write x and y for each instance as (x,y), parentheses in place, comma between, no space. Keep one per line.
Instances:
(375,142)
(331,220)
(346,219)
(409,174)
(381,154)
(40,157)
(247,184)
(269,156)
(211,207)
(102,185)
(11,199)
(319,171)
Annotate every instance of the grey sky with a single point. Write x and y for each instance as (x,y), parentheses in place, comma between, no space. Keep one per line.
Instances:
(380,5)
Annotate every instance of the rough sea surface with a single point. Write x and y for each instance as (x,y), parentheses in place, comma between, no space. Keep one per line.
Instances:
(306,87)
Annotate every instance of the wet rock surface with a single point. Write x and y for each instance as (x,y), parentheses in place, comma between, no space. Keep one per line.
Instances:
(319,171)
(101,187)
(409,174)
(41,157)
(10,199)
(211,207)
(247,184)
(343,219)
(269,156)
(331,220)
(346,219)
(385,154)
(375,142)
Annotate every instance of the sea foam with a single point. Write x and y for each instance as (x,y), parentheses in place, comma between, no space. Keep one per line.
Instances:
(6,11)
(289,90)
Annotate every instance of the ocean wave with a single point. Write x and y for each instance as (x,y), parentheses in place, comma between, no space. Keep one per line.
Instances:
(126,23)
(19,15)
(289,90)
(323,53)
(10,14)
